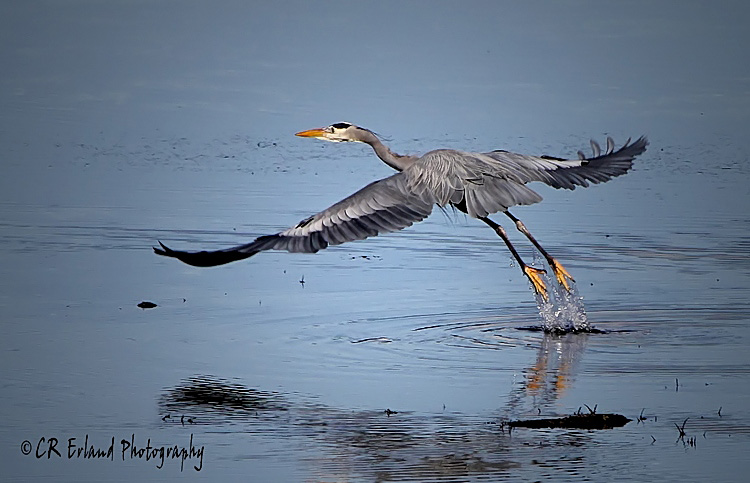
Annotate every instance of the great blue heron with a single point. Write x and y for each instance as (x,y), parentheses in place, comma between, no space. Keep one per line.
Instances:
(477,184)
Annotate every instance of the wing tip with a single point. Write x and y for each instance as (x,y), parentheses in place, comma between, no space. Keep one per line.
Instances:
(164,251)
(638,146)
(209,259)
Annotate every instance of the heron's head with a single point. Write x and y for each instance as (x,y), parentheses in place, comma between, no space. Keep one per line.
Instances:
(339,132)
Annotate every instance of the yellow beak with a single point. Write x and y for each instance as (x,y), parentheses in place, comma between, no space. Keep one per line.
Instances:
(312,133)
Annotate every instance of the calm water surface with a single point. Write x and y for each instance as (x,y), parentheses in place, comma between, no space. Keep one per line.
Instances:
(293,380)
(401,357)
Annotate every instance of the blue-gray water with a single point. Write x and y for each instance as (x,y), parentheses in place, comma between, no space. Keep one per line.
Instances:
(124,123)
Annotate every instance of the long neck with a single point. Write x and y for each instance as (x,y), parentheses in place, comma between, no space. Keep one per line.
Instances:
(395,161)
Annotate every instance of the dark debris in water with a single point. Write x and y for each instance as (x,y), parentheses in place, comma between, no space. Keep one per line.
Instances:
(575,421)
(147,305)
(383,340)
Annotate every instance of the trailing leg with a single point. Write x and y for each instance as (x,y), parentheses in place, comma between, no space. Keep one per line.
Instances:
(561,274)
(534,274)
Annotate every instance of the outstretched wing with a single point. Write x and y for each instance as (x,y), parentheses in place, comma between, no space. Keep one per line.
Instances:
(484,183)
(562,173)
(380,207)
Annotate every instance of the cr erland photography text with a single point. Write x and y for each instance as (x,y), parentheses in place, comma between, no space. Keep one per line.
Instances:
(129,448)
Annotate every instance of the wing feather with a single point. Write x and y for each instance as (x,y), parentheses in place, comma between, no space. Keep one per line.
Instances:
(485,183)
(568,174)
(380,207)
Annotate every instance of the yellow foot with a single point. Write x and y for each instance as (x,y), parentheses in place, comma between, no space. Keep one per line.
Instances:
(535,275)
(561,274)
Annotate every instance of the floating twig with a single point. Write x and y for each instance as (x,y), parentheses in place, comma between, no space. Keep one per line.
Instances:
(591,411)
(641,419)
(681,429)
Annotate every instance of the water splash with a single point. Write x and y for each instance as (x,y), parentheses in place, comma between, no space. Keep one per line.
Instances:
(563,311)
